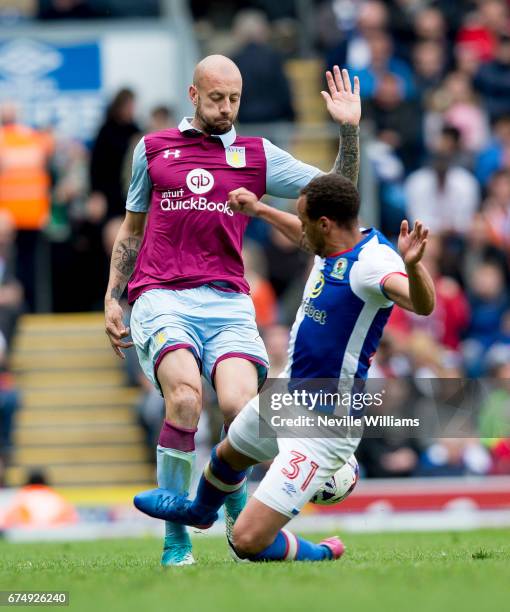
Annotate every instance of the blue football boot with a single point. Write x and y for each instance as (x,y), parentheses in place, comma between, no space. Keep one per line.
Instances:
(165,505)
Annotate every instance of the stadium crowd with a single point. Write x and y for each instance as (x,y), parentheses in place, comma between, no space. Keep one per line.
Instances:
(435,81)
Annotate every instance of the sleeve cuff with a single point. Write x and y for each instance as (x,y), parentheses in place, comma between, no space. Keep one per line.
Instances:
(385,278)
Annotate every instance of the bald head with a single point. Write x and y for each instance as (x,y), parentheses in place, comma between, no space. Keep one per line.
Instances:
(216,66)
(216,94)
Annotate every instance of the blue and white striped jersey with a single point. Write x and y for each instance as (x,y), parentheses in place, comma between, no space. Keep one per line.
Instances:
(344,310)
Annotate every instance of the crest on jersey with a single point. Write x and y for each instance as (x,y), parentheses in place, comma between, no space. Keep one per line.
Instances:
(236,156)
(339,268)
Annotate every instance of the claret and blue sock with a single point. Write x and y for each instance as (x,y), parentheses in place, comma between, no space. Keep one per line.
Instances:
(175,461)
(170,504)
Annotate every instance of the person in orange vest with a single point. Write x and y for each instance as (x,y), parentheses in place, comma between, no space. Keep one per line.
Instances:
(37,505)
(25,189)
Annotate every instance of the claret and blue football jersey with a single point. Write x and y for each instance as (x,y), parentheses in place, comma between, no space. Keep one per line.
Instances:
(344,310)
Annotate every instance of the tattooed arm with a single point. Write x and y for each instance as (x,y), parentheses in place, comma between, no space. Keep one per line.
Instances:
(347,160)
(344,105)
(124,254)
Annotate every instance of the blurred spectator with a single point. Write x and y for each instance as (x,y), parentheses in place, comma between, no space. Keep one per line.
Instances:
(67,9)
(454,457)
(430,25)
(353,49)
(489,300)
(495,411)
(107,199)
(382,61)
(11,291)
(451,315)
(161,118)
(390,452)
(70,169)
(429,64)
(287,269)
(398,121)
(262,70)
(482,28)
(496,210)
(112,142)
(389,173)
(464,112)
(493,80)
(466,60)
(442,195)
(497,154)
(478,248)
(37,505)
(449,143)
(9,404)
(402,15)
(25,192)
(261,291)
(71,187)
(276,339)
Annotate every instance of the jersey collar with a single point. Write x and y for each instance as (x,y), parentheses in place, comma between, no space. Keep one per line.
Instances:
(227,139)
(369,234)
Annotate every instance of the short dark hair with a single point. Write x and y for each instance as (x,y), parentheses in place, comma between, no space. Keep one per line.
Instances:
(332,196)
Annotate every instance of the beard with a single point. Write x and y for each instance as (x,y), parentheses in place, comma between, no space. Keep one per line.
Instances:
(210,127)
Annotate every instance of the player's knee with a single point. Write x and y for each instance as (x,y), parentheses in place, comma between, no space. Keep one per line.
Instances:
(183,403)
(232,403)
(249,541)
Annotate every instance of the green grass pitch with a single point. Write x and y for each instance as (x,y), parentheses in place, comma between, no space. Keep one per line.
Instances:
(451,572)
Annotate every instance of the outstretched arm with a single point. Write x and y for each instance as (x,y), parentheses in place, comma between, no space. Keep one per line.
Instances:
(124,255)
(244,201)
(416,292)
(344,105)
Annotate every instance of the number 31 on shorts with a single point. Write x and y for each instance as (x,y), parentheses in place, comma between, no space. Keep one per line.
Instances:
(295,467)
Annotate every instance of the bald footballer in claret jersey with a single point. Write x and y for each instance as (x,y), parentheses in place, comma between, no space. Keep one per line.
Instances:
(179,248)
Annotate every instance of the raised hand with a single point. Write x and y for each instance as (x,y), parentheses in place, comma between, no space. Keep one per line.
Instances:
(412,244)
(343,102)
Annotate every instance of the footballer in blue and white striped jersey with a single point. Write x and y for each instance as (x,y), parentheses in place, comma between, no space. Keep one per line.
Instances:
(344,311)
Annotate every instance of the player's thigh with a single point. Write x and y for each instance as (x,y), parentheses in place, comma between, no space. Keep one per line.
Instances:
(236,382)
(232,333)
(179,378)
(159,325)
(300,468)
(256,527)
(245,437)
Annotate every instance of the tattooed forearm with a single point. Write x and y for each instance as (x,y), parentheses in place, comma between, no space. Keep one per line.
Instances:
(125,254)
(116,292)
(347,161)
(123,263)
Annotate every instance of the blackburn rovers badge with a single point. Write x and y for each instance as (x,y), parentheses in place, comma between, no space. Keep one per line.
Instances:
(339,268)
(236,156)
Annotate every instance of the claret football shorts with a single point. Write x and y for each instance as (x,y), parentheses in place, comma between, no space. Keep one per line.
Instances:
(211,323)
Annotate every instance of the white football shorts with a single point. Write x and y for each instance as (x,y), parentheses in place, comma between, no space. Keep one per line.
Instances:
(300,465)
